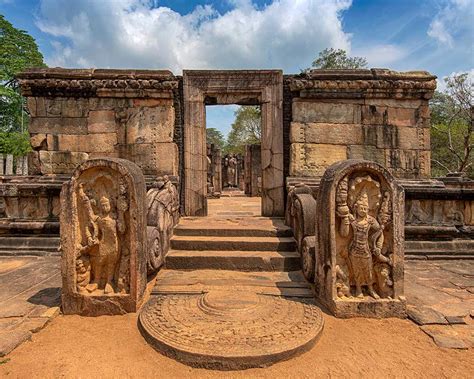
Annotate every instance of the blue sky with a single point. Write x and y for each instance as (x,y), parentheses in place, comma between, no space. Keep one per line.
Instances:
(432,35)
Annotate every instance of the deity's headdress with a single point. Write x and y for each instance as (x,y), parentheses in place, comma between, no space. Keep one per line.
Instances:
(362,199)
(104,200)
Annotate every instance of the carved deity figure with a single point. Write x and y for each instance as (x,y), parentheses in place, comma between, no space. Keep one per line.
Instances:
(102,244)
(364,250)
(162,217)
(231,166)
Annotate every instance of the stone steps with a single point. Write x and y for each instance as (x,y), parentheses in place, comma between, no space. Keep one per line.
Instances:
(456,249)
(220,229)
(17,245)
(233,243)
(233,260)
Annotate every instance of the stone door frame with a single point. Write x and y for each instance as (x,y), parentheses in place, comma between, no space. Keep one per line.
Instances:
(243,87)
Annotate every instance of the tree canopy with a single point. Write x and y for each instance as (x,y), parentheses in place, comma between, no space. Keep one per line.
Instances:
(215,137)
(337,59)
(246,129)
(452,127)
(18,51)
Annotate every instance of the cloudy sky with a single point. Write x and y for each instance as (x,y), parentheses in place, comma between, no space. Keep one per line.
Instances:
(433,35)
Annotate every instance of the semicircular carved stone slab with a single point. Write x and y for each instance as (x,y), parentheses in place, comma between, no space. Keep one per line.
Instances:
(103,238)
(360,242)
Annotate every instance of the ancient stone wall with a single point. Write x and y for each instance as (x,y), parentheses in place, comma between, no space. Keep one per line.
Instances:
(83,114)
(378,115)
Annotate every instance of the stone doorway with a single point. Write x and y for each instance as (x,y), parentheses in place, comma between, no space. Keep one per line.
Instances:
(242,87)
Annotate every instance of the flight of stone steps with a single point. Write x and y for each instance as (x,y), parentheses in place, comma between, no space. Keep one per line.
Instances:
(30,244)
(257,254)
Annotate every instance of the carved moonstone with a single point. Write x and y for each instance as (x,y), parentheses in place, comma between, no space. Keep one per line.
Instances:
(360,243)
(103,238)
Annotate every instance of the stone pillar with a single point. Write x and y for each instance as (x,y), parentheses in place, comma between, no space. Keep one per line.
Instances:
(217,161)
(19,166)
(103,238)
(9,165)
(360,241)
(25,165)
(2,163)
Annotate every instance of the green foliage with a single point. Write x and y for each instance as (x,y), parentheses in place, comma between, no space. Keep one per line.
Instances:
(452,129)
(215,137)
(246,130)
(337,59)
(16,143)
(18,51)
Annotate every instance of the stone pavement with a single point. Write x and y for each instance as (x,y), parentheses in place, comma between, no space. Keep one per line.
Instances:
(235,205)
(29,297)
(440,296)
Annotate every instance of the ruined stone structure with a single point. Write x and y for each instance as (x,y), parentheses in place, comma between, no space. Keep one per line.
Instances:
(103,238)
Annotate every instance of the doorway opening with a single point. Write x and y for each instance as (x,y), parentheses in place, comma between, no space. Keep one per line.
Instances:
(234,169)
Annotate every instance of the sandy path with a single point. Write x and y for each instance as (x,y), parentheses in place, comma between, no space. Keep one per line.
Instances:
(112,347)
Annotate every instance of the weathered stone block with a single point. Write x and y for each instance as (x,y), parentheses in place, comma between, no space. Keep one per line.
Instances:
(395,103)
(360,241)
(60,162)
(337,134)
(58,125)
(103,238)
(333,113)
(313,159)
(153,159)
(38,141)
(151,124)
(101,122)
(366,152)
(401,116)
(374,115)
(90,143)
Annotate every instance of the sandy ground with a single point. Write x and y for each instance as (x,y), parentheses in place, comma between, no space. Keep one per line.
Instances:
(112,347)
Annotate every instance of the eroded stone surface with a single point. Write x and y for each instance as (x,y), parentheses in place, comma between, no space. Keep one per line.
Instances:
(230,329)
(360,246)
(103,238)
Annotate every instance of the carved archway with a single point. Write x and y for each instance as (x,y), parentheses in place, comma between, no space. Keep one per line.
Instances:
(243,87)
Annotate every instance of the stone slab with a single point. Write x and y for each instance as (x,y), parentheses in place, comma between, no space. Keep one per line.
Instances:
(58,125)
(90,143)
(445,337)
(11,339)
(336,134)
(313,159)
(425,316)
(60,162)
(335,113)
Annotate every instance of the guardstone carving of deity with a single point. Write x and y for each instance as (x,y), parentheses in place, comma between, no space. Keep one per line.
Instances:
(103,238)
(360,245)
(162,217)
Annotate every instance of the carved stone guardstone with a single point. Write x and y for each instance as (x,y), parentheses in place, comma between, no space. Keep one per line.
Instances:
(360,241)
(103,238)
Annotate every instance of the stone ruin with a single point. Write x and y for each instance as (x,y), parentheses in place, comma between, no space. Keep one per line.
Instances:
(309,121)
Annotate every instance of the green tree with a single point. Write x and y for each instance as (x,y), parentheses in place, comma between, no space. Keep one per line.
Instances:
(215,137)
(18,51)
(337,59)
(452,127)
(246,129)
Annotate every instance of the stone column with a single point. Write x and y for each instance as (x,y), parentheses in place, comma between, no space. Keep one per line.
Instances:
(25,165)
(2,163)
(9,165)
(19,166)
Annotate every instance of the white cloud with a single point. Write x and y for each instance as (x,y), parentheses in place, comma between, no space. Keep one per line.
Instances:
(455,17)
(285,34)
(441,84)
(382,56)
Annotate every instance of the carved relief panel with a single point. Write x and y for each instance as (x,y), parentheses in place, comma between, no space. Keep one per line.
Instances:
(103,238)
(360,241)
